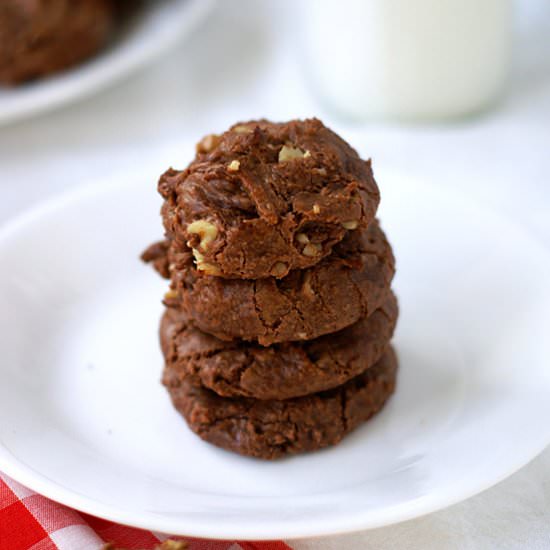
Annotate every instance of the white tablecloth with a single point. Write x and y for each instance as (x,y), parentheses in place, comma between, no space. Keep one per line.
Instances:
(244,63)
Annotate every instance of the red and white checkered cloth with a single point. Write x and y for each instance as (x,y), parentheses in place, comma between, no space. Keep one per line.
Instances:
(29,521)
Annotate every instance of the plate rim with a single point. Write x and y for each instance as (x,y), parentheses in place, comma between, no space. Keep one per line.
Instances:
(27,476)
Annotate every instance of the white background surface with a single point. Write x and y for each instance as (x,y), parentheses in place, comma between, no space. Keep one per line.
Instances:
(244,63)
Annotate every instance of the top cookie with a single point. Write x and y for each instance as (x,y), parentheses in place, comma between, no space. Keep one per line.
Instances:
(264,198)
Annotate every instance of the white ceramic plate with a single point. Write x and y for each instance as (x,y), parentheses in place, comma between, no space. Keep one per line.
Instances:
(149,32)
(85,421)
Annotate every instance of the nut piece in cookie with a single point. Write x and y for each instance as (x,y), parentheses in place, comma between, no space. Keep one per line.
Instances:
(206,230)
(207,233)
(288,153)
(207,143)
(312,249)
(354,224)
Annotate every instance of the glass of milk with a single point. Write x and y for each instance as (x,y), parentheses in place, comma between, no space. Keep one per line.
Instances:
(408,59)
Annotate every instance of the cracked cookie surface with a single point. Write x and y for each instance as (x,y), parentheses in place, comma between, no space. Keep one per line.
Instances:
(281,371)
(265,198)
(272,429)
(341,289)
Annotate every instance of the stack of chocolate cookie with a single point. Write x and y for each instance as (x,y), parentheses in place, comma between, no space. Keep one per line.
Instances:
(279,315)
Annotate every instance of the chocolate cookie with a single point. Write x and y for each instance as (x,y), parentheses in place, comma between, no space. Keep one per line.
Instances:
(346,286)
(39,37)
(271,429)
(263,198)
(281,371)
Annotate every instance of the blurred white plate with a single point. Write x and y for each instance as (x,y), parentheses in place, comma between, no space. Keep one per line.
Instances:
(85,421)
(151,31)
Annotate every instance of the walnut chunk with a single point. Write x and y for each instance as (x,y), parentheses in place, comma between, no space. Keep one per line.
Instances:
(316,209)
(279,269)
(289,152)
(302,238)
(241,129)
(312,250)
(206,230)
(234,166)
(208,143)
(307,289)
(198,256)
(353,224)
(171,294)
(209,269)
